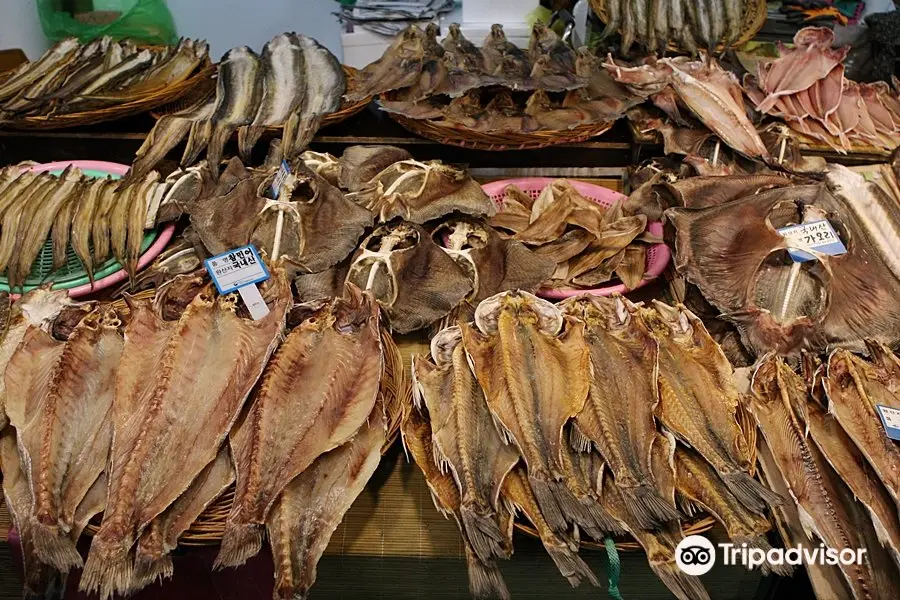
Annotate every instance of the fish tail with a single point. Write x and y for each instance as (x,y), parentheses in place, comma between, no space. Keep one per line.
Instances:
(484,534)
(149,570)
(586,512)
(247,138)
(485,580)
(579,441)
(288,133)
(239,543)
(306,131)
(570,565)
(216,147)
(682,585)
(751,493)
(648,507)
(759,542)
(198,138)
(544,493)
(107,571)
(53,548)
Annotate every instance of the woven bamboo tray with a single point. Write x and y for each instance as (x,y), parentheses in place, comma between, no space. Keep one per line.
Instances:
(347,110)
(752,18)
(395,392)
(118,111)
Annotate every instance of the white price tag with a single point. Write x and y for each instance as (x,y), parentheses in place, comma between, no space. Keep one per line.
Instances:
(890,418)
(236,268)
(818,235)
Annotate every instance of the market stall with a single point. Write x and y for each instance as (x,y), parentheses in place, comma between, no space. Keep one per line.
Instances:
(273,325)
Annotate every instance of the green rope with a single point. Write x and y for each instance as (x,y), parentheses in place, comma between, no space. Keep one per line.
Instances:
(613,568)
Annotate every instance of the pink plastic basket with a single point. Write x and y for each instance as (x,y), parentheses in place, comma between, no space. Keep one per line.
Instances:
(657,256)
(165,235)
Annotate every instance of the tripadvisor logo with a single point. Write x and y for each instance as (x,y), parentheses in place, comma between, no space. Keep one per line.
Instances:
(696,555)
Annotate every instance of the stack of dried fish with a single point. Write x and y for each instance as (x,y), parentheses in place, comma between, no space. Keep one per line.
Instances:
(97,217)
(552,439)
(823,445)
(806,88)
(730,249)
(497,87)
(690,24)
(293,84)
(588,242)
(71,77)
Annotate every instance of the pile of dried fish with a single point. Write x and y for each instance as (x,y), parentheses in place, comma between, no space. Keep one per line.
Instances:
(823,445)
(588,242)
(293,84)
(806,88)
(74,77)
(550,437)
(690,24)
(733,253)
(96,216)
(497,88)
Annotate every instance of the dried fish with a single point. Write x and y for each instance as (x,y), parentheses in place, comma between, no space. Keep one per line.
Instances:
(51,61)
(238,95)
(337,352)
(325,85)
(361,164)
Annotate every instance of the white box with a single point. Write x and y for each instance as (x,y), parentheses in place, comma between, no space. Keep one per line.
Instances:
(497,11)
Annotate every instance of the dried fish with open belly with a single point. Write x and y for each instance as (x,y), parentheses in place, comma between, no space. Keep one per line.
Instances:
(337,352)
(415,281)
(361,164)
(699,401)
(465,440)
(311,507)
(214,357)
(620,342)
(518,328)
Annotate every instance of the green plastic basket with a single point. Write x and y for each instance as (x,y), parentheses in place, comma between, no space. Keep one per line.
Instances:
(73,273)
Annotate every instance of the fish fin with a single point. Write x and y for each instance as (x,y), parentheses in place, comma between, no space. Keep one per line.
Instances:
(648,507)
(544,493)
(884,538)
(505,434)
(579,441)
(759,542)
(751,493)
(485,580)
(54,548)
(150,570)
(483,533)
(107,572)
(248,135)
(687,506)
(440,459)
(216,148)
(240,542)
(807,522)
(570,565)
(682,585)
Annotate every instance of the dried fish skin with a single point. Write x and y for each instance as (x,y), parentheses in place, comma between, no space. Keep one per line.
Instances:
(698,400)
(618,417)
(337,351)
(410,276)
(465,441)
(311,507)
(615,237)
(209,338)
(704,192)
(65,445)
(519,333)
(361,164)
(775,390)
(854,389)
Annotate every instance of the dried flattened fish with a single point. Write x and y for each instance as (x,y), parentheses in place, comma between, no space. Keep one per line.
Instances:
(238,95)
(82,224)
(360,164)
(325,84)
(337,352)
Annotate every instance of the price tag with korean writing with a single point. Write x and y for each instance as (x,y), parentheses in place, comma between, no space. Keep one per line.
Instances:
(890,418)
(818,235)
(240,269)
(280,176)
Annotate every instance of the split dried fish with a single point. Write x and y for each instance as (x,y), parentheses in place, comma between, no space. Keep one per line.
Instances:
(325,85)
(361,164)
(239,90)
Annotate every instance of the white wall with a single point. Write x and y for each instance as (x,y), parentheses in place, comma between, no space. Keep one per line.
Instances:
(21,28)
(228,23)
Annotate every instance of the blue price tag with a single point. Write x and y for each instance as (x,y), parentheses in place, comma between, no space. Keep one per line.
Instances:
(280,176)
(236,268)
(818,235)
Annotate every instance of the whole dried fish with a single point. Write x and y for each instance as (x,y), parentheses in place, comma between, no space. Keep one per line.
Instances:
(311,507)
(54,59)
(516,328)
(82,223)
(465,440)
(399,67)
(325,85)
(698,400)
(130,65)
(138,489)
(238,95)
(622,433)
(337,352)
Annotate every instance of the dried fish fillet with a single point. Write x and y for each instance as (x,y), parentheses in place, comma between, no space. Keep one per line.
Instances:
(465,440)
(213,358)
(517,334)
(698,400)
(311,507)
(336,351)
(618,415)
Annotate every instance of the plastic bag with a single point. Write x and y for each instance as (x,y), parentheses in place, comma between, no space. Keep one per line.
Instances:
(147,21)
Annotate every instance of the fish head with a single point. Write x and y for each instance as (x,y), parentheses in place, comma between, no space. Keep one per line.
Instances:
(458,238)
(444,344)
(41,306)
(518,306)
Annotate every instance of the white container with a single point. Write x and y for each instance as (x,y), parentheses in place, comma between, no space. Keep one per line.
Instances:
(497,11)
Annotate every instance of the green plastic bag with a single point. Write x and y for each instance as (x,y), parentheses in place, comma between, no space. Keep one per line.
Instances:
(147,21)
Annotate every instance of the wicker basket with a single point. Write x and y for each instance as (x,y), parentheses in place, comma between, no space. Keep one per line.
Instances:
(118,111)
(752,19)
(347,110)
(395,393)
